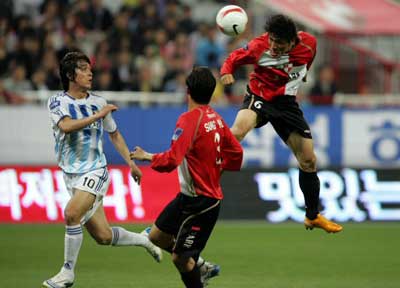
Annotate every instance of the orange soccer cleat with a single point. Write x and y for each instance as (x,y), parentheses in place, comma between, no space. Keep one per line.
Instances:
(323,223)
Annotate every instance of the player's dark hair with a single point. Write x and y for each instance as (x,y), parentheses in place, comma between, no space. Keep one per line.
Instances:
(201,84)
(282,27)
(68,65)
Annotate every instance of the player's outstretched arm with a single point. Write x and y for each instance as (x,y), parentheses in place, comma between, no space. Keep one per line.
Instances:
(120,145)
(68,125)
(140,154)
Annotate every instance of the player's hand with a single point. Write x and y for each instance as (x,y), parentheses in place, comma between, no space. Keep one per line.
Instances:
(136,173)
(106,109)
(227,79)
(140,154)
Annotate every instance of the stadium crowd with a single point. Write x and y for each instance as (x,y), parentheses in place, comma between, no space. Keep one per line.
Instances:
(145,45)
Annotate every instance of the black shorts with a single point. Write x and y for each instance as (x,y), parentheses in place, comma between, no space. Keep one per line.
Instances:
(283,112)
(191,220)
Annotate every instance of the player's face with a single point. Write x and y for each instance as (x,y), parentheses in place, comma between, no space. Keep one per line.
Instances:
(84,75)
(279,47)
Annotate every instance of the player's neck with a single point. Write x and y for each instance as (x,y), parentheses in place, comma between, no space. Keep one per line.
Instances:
(193,105)
(77,93)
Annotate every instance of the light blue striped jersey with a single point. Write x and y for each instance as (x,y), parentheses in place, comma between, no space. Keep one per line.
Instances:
(80,151)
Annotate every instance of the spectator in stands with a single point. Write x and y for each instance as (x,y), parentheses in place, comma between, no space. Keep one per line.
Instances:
(101,59)
(208,51)
(120,30)
(175,67)
(103,81)
(186,24)
(50,64)
(17,82)
(156,64)
(54,27)
(181,47)
(8,97)
(100,16)
(324,89)
(4,57)
(39,80)
(123,71)
(144,81)
(176,84)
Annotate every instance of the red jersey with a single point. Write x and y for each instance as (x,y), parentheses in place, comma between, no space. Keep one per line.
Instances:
(274,76)
(201,147)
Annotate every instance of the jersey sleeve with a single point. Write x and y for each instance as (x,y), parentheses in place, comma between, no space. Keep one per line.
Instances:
(182,140)
(312,58)
(109,123)
(311,44)
(242,56)
(58,109)
(232,152)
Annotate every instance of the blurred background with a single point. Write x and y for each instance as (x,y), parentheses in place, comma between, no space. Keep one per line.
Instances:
(141,51)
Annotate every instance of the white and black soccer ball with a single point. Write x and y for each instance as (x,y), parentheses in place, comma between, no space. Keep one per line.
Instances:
(232,20)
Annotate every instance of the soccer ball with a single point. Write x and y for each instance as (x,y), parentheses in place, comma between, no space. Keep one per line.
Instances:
(231,20)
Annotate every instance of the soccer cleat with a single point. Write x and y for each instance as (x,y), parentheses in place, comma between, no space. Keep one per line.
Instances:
(63,279)
(323,223)
(208,271)
(153,250)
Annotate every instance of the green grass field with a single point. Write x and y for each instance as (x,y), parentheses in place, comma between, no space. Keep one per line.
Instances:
(251,254)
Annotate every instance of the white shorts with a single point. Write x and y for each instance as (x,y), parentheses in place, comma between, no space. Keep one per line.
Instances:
(95,182)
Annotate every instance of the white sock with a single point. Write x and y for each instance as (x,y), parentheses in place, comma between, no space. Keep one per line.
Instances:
(122,237)
(72,245)
(200,262)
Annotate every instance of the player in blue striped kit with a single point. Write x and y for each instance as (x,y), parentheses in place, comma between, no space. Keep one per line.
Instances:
(78,120)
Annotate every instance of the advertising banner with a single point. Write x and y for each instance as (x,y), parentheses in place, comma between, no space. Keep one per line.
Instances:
(38,195)
(346,195)
(371,138)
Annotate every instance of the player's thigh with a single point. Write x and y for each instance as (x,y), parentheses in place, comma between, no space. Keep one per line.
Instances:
(246,120)
(196,229)
(79,204)
(94,183)
(303,148)
(98,226)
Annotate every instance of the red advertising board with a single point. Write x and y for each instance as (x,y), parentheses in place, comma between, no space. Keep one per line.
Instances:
(38,194)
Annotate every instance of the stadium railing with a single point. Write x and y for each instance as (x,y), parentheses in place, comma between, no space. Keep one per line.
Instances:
(122,98)
(145,99)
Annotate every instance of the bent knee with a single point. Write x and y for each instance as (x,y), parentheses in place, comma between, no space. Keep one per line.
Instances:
(72,216)
(179,261)
(165,244)
(154,239)
(309,164)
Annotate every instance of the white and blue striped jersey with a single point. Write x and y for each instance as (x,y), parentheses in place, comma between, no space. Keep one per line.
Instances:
(79,151)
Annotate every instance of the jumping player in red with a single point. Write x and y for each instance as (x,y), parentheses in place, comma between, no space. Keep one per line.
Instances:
(281,58)
(202,147)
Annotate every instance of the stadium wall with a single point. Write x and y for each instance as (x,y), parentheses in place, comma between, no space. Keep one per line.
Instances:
(343,137)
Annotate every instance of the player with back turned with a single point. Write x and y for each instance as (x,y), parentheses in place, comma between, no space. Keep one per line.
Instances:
(202,147)
(281,58)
